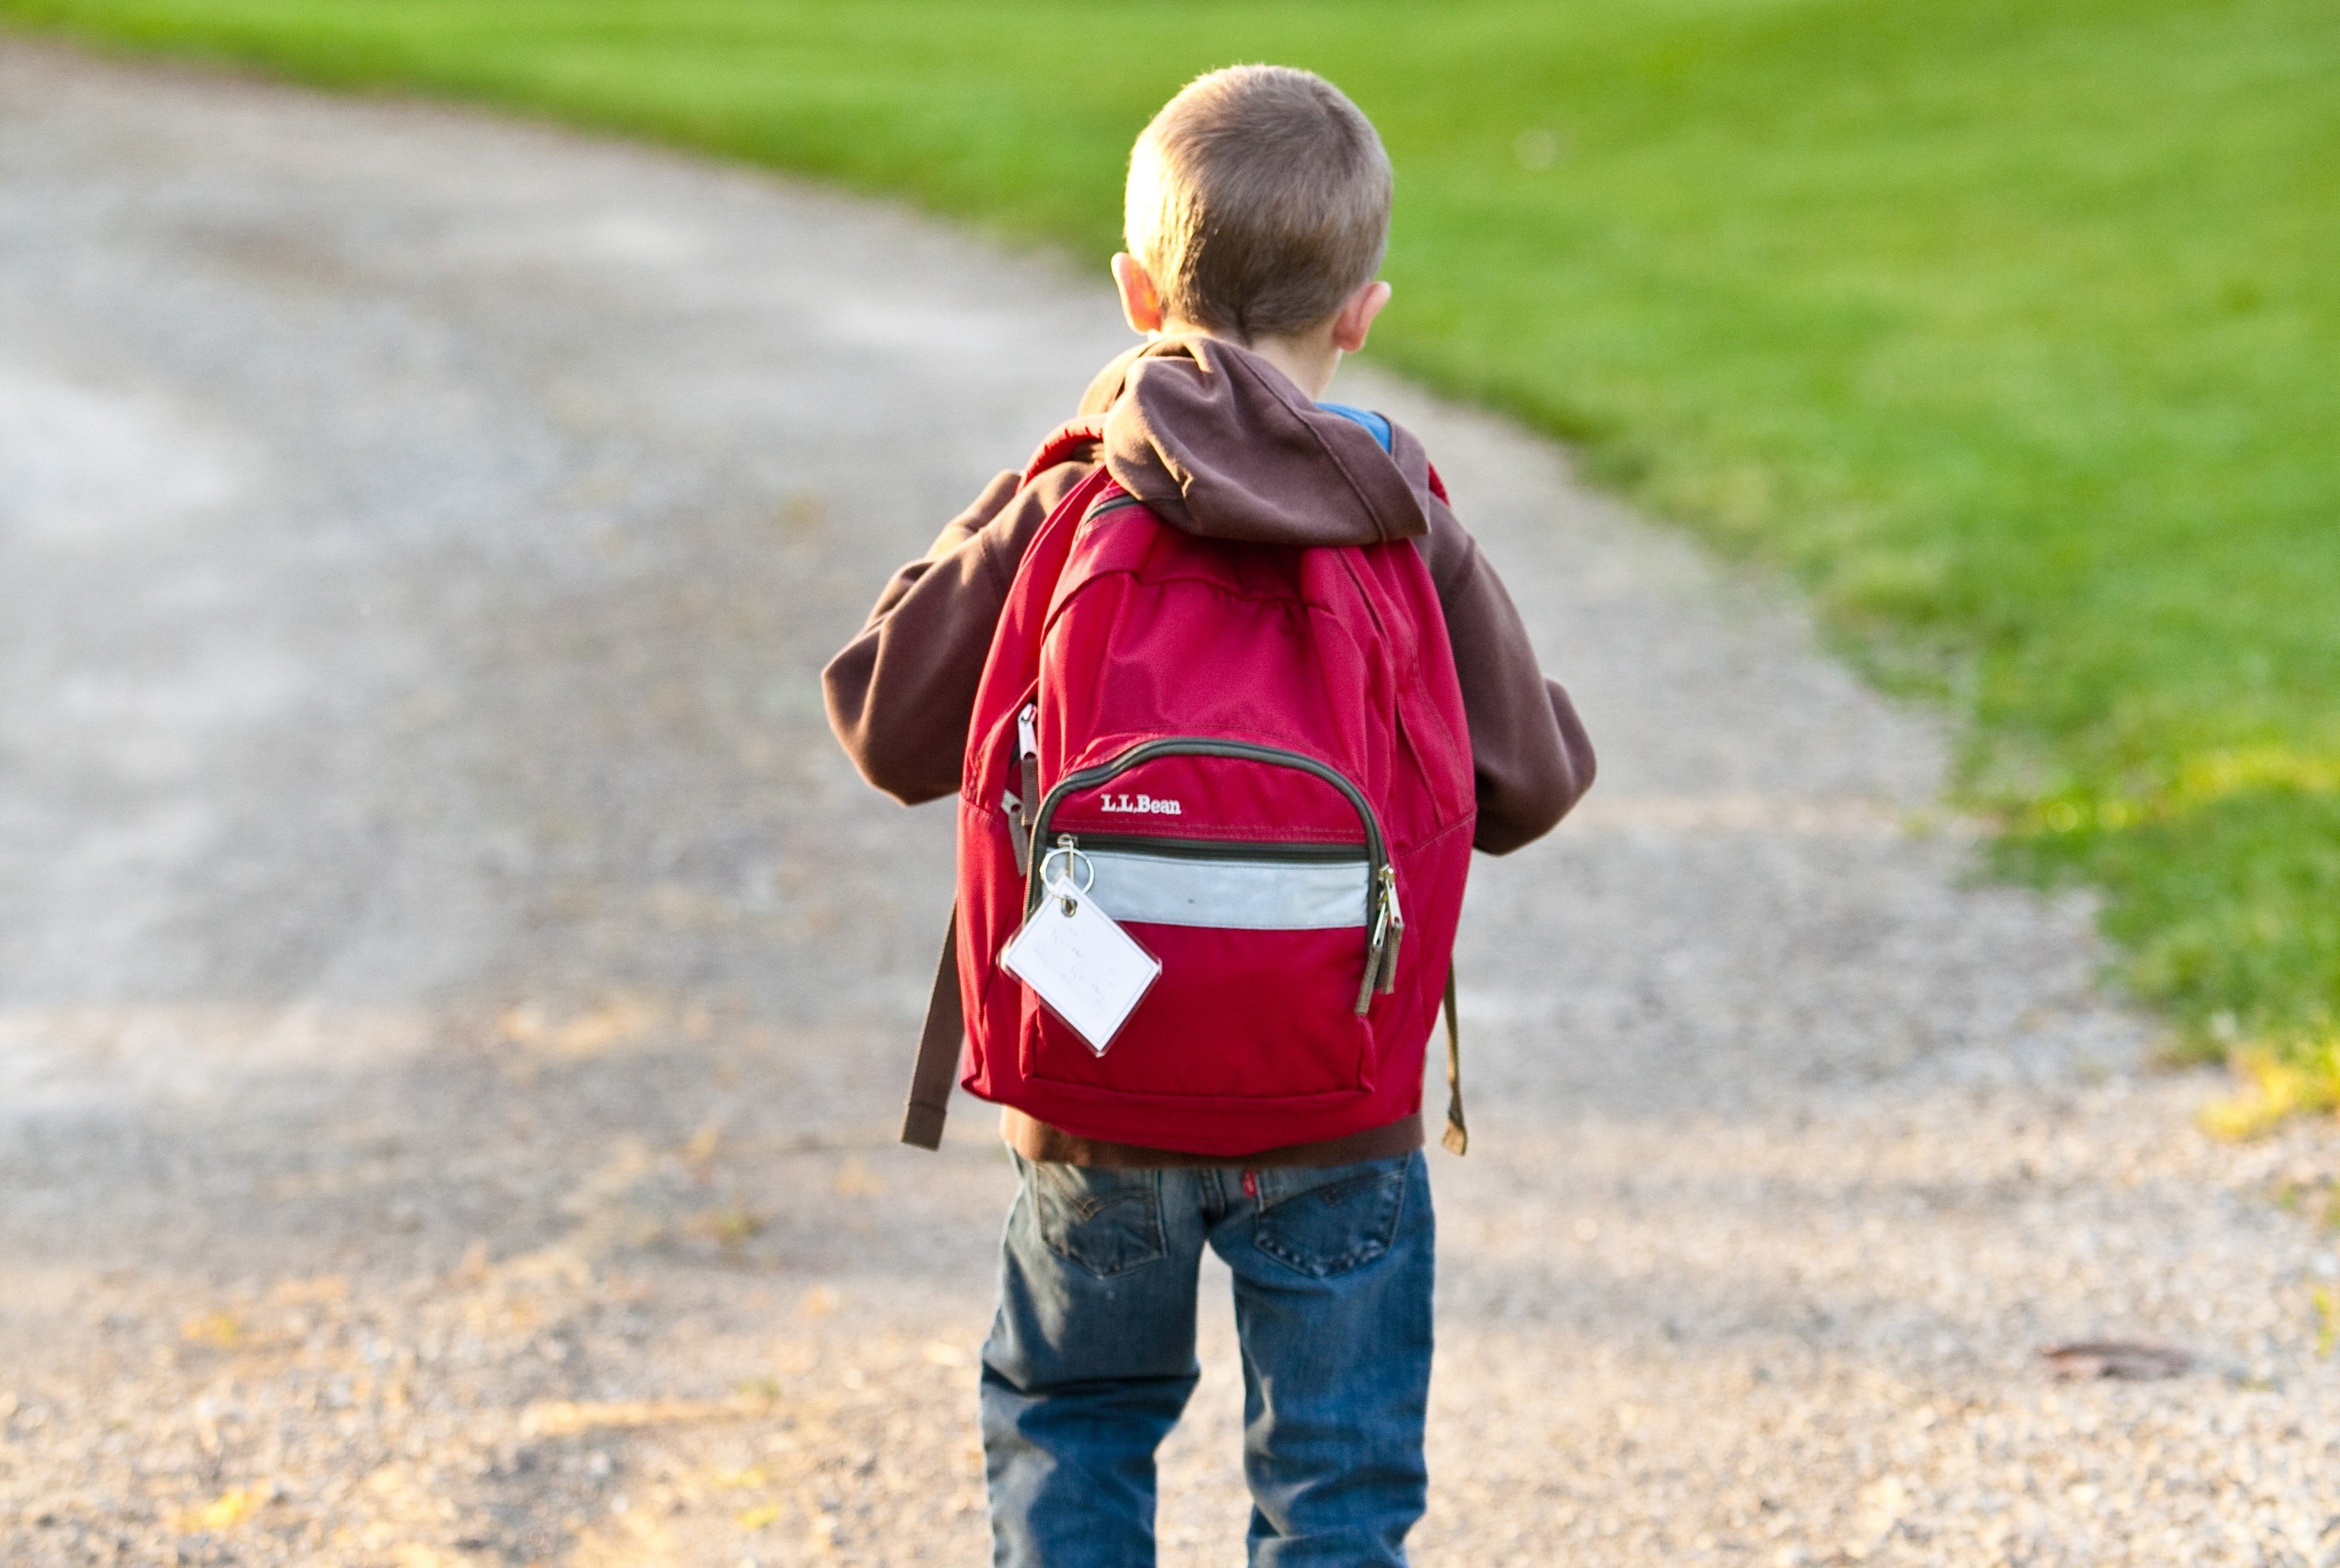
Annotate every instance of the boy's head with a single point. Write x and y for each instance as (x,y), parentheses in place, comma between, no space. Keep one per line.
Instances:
(1257,206)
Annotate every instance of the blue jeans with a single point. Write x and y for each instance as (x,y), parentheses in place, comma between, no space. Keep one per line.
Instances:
(1092,1356)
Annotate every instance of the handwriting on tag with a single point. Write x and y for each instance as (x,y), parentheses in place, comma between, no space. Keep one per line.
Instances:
(1089,972)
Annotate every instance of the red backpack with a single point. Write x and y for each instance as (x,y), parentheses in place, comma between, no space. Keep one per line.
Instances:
(1259,754)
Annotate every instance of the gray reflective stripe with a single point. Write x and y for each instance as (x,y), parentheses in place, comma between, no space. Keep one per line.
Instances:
(1235,894)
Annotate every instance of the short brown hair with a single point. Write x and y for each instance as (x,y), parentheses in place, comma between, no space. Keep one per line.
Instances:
(1258,201)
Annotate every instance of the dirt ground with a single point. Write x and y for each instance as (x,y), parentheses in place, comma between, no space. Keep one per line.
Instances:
(455,999)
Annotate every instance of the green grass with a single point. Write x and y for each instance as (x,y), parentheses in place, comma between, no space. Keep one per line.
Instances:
(2011,328)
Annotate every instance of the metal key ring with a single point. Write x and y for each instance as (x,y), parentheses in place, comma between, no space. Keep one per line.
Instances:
(1077,862)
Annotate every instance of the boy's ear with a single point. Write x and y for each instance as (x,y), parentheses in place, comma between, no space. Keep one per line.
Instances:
(1140,305)
(1356,317)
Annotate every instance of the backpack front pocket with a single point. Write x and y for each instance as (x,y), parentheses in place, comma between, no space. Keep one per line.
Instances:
(1271,948)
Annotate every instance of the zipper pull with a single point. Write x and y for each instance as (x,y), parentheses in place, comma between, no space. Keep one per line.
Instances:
(1027,751)
(1374,950)
(1395,916)
(1019,832)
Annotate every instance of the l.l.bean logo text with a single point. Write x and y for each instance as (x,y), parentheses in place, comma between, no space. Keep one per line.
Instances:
(1145,804)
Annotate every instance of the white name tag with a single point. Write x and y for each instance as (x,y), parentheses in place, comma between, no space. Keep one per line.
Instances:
(1089,972)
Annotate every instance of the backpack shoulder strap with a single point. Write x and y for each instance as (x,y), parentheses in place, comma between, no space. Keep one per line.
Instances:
(1065,442)
(938,1049)
(1457,1137)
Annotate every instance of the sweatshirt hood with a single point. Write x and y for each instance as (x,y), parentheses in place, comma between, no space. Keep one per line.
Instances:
(1216,440)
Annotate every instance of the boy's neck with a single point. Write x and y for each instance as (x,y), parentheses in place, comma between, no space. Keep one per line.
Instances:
(1309,359)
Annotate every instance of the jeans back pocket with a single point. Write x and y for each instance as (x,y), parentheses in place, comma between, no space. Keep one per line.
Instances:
(1330,1221)
(1106,1222)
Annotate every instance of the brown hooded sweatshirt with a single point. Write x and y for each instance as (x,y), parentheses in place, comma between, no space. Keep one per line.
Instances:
(1216,440)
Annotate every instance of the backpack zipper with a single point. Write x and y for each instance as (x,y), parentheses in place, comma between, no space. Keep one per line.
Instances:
(1383,919)
(1218,848)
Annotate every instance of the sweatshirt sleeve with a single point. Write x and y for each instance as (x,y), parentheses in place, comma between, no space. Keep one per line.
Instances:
(900,695)
(1532,758)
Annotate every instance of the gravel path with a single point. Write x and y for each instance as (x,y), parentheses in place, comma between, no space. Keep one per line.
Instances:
(454,998)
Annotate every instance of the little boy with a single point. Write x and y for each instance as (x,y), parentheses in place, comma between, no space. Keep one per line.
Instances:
(1257,211)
